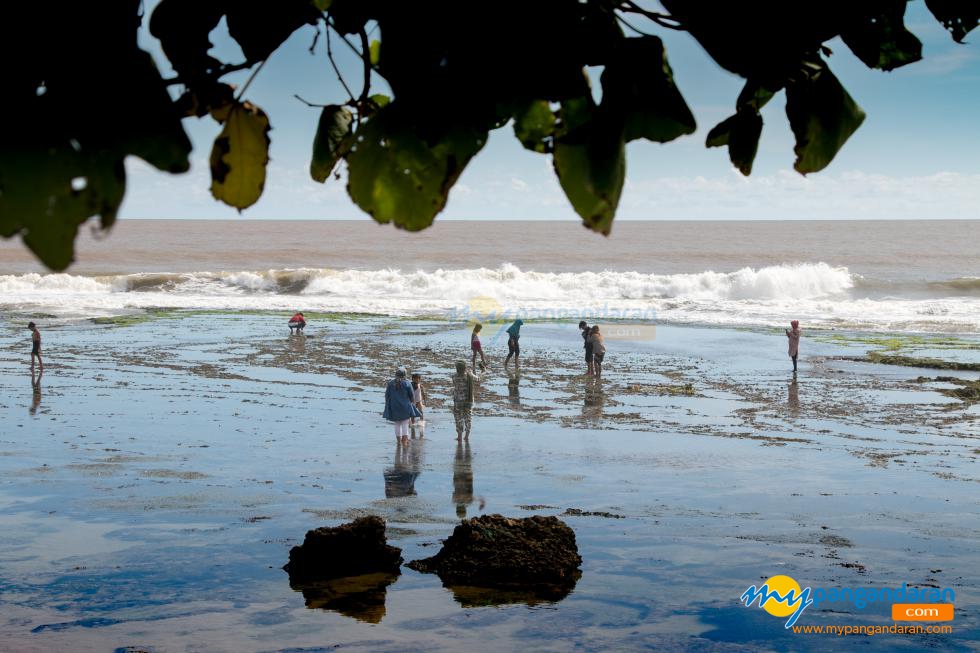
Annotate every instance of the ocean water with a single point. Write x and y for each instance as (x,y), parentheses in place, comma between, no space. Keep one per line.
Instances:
(904,276)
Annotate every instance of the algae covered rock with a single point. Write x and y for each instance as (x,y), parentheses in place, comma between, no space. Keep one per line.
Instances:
(352,549)
(538,554)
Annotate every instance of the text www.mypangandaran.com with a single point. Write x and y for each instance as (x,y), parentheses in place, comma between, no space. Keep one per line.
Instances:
(873,630)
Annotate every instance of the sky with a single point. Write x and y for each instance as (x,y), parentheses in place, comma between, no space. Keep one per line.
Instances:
(915,157)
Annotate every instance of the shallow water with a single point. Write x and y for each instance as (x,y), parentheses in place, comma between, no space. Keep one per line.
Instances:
(149,495)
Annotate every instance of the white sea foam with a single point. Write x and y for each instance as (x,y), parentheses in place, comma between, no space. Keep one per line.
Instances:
(817,293)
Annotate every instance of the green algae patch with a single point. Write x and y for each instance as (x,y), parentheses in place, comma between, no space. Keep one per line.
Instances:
(968,391)
(913,361)
(668,389)
(896,343)
(131,319)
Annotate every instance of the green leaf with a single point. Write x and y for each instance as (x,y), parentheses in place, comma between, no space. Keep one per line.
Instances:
(741,134)
(639,84)
(239,157)
(822,115)
(261,27)
(534,125)
(49,191)
(878,36)
(590,161)
(333,139)
(959,17)
(402,172)
(375,51)
(755,95)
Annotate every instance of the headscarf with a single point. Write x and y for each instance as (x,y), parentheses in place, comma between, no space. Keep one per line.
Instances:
(795,324)
(400,373)
(460,367)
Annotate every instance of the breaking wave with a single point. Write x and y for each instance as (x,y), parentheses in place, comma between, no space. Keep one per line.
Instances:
(816,292)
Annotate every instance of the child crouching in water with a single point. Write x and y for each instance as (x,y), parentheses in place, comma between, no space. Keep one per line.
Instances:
(418,396)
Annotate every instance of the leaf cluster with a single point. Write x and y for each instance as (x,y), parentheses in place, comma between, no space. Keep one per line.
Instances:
(81,95)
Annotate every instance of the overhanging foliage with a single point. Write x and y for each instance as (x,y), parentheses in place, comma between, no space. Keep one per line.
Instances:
(80,95)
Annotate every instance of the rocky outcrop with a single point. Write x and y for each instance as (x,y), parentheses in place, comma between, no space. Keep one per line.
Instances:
(529,557)
(352,549)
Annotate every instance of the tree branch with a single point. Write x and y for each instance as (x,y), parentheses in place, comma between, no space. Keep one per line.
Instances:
(334,64)
(219,73)
(366,61)
(664,20)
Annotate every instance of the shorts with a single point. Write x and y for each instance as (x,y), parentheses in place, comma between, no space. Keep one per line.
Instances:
(514,345)
(463,414)
(297,325)
(475,345)
(598,357)
(588,354)
(36,349)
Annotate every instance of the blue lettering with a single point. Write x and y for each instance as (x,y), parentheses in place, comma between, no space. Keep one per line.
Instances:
(859,598)
(819,595)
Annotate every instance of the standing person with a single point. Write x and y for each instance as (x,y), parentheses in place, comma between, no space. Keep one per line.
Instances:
(586,337)
(463,395)
(297,322)
(477,347)
(793,335)
(36,349)
(513,343)
(399,405)
(418,398)
(598,350)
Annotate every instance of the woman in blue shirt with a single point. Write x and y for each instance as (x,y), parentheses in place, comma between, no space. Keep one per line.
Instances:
(400,404)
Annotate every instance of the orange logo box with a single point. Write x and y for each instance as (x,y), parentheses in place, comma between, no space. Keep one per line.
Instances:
(922,612)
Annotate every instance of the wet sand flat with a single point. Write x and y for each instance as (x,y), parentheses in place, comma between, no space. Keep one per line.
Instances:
(151,490)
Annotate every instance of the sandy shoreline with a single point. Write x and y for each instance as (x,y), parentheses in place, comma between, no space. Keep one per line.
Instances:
(150,497)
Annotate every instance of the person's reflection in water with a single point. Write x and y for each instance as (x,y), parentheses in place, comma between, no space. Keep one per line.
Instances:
(462,478)
(794,397)
(400,478)
(36,401)
(595,398)
(514,389)
(297,345)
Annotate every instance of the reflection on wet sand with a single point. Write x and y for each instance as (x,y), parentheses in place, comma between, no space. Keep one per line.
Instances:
(400,477)
(462,478)
(36,400)
(361,597)
(595,398)
(514,389)
(793,399)
(297,344)
(473,597)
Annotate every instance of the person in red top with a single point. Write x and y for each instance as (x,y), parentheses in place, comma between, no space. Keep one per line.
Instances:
(297,322)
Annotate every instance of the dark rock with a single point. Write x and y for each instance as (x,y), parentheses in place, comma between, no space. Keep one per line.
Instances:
(578,512)
(534,559)
(350,549)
